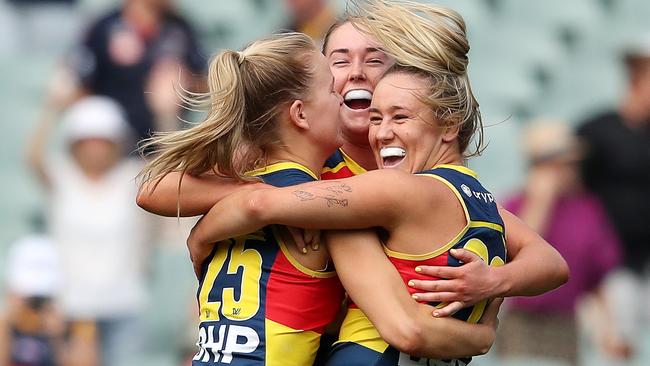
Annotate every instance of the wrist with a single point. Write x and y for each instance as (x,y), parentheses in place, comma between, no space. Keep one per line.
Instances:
(502,283)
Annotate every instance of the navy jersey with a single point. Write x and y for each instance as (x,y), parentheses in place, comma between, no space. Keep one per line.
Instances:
(258,304)
(484,234)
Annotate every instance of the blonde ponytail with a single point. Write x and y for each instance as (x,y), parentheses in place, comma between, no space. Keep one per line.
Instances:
(247,91)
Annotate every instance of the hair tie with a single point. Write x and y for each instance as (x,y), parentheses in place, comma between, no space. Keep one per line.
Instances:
(241,57)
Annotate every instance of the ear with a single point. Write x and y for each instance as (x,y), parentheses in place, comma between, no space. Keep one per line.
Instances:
(297,114)
(450,133)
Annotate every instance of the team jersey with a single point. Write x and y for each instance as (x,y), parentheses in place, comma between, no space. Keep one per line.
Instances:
(340,165)
(258,304)
(360,343)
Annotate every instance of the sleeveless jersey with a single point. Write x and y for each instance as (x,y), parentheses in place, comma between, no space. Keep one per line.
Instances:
(258,304)
(360,343)
(340,165)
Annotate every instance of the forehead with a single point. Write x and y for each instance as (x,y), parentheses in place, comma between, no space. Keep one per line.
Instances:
(399,88)
(348,37)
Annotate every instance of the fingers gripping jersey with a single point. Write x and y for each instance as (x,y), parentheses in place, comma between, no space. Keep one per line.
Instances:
(258,305)
(340,165)
(360,343)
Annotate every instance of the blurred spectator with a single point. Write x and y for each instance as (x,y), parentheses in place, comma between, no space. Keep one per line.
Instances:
(31,329)
(312,17)
(101,235)
(617,170)
(42,25)
(135,55)
(574,222)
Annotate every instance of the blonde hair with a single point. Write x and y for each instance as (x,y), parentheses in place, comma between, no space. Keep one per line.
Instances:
(430,41)
(247,93)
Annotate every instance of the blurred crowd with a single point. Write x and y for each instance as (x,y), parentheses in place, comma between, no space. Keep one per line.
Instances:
(78,285)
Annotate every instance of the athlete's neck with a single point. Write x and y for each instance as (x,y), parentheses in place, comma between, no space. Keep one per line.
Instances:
(313,162)
(361,154)
(448,155)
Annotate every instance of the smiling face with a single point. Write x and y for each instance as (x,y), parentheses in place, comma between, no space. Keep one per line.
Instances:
(357,65)
(404,134)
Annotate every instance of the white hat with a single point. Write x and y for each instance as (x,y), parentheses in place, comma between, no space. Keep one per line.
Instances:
(95,117)
(33,267)
(545,139)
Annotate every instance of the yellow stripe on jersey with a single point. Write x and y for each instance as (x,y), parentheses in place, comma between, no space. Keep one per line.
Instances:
(299,266)
(357,328)
(338,167)
(354,167)
(272,168)
(458,168)
(489,225)
(452,242)
(289,347)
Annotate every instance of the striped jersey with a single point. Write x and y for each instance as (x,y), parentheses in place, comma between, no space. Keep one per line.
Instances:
(340,165)
(484,234)
(258,304)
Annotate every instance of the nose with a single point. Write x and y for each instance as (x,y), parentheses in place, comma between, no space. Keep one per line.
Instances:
(357,71)
(384,131)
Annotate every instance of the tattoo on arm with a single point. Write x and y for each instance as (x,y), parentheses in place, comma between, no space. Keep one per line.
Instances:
(332,195)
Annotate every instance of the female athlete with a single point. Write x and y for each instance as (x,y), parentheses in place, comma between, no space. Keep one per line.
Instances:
(273,116)
(422,121)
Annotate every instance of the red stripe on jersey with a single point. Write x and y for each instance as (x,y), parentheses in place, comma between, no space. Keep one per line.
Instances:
(344,172)
(406,268)
(314,302)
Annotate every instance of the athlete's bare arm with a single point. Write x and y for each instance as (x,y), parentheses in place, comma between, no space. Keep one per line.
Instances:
(358,202)
(372,199)
(376,287)
(195,196)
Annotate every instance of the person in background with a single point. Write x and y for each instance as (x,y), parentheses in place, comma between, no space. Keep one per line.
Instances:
(573,220)
(311,17)
(102,237)
(136,54)
(617,169)
(31,328)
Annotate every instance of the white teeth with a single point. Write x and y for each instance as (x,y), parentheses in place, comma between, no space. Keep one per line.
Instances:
(387,152)
(358,94)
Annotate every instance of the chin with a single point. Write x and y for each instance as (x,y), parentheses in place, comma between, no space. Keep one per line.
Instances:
(356,127)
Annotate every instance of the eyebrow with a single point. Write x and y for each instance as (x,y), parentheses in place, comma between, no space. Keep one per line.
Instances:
(391,109)
(347,50)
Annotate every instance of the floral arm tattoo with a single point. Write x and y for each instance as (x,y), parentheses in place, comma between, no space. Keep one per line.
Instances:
(332,194)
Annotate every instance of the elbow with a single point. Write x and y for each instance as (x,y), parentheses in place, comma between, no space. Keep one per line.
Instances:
(406,336)
(256,207)
(146,201)
(484,348)
(563,272)
(142,199)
